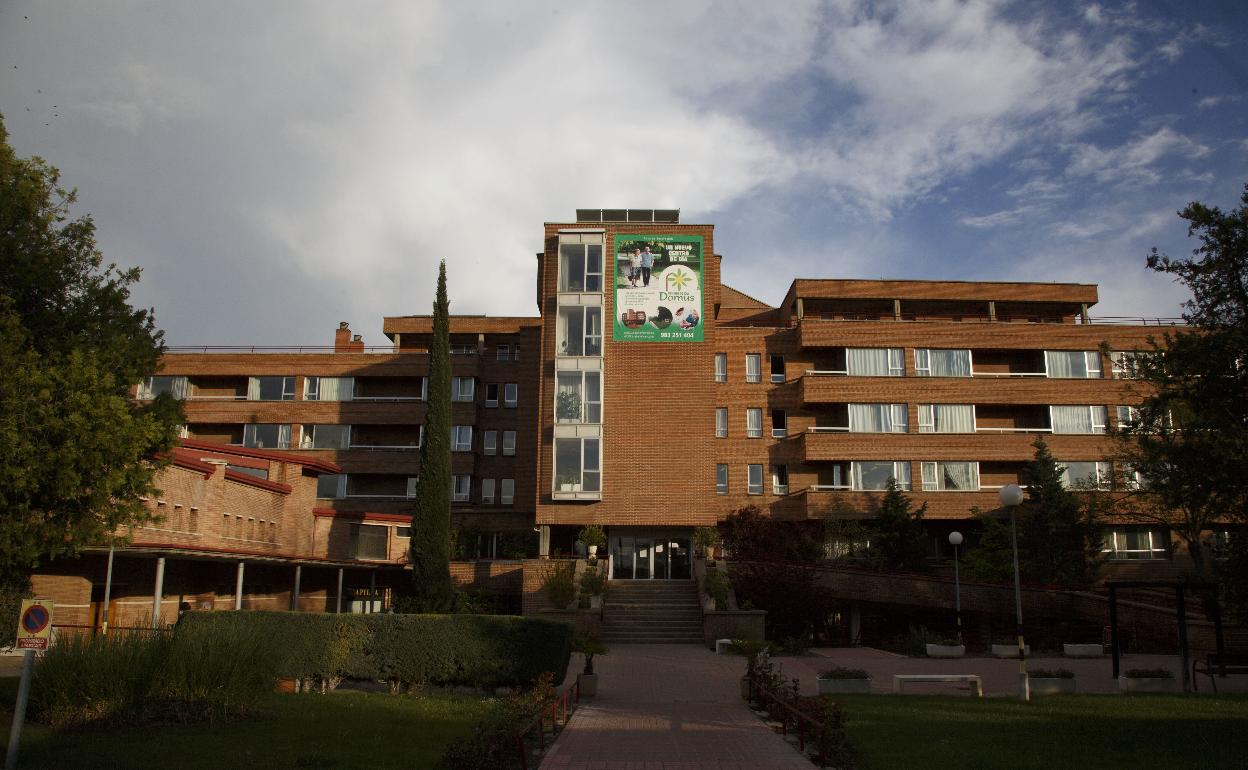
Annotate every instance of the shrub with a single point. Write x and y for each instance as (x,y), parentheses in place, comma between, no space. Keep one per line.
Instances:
(1060,673)
(491,745)
(1148,673)
(716,587)
(592,534)
(559,583)
(840,672)
(593,581)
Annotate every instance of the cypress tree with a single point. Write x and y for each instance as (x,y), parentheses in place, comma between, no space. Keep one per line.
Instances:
(431,521)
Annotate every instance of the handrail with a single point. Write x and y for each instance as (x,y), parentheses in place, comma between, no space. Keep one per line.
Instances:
(563,703)
(1013,430)
(1009,374)
(287,349)
(802,721)
(826,372)
(827,429)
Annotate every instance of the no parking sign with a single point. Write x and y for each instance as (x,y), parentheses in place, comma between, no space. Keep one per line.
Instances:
(34,624)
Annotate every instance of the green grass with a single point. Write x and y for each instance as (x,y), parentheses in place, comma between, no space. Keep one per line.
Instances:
(341,730)
(1095,731)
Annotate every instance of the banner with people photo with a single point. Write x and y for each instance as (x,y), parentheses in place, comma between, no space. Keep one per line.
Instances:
(658,288)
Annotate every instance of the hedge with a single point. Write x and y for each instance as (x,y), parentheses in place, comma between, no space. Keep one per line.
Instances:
(414,650)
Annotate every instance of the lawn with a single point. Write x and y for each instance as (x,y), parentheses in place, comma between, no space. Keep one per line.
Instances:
(1096,731)
(341,730)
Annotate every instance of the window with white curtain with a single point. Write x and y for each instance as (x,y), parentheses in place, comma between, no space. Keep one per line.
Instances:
(1081,474)
(1073,364)
(951,476)
(266,436)
(332,486)
(325,437)
(754,479)
(578,397)
(1128,416)
(946,418)
(721,367)
(753,367)
(463,389)
(721,422)
(1079,419)
(753,423)
(1125,364)
(511,394)
(580,267)
(877,418)
(578,465)
(721,479)
(461,438)
(489,442)
(779,479)
(507,491)
(509,443)
(461,489)
(154,386)
(579,331)
(487,491)
(875,362)
(270,388)
(874,476)
(1135,542)
(328,388)
(931,362)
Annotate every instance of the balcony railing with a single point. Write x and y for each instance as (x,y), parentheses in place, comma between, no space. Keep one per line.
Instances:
(828,429)
(1010,430)
(1010,374)
(827,372)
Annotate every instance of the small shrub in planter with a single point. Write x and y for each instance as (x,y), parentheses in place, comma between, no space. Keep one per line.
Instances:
(945,648)
(839,680)
(1146,680)
(587,680)
(593,585)
(593,537)
(1051,682)
(716,587)
(1091,650)
(559,582)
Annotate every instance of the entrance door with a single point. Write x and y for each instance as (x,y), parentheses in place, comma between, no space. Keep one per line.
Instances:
(651,557)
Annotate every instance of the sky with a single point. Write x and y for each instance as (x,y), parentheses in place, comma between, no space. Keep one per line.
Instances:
(275,168)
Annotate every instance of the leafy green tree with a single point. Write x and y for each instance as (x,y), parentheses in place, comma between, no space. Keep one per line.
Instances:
(76,452)
(1190,441)
(432,590)
(899,540)
(1231,572)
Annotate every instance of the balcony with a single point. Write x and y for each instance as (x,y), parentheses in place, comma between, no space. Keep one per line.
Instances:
(835,445)
(821,333)
(818,387)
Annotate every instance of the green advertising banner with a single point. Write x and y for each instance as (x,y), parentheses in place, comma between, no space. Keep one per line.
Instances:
(658,288)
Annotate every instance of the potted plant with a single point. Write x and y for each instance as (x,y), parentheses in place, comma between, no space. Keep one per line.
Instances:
(560,585)
(1080,650)
(715,584)
(568,406)
(587,681)
(838,680)
(1146,680)
(594,538)
(946,648)
(593,584)
(1045,682)
(567,482)
(1008,648)
(705,539)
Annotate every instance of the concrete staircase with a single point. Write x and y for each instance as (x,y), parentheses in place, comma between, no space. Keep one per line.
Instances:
(652,612)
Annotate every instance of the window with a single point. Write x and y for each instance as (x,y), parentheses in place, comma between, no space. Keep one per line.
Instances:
(721,422)
(464,389)
(461,489)
(929,362)
(491,394)
(461,438)
(946,418)
(753,423)
(1125,365)
(412,482)
(950,476)
(328,388)
(877,418)
(1087,475)
(1079,419)
(507,491)
(1132,478)
(754,479)
(578,465)
(489,442)
(875,362)
(1135,542)
(155,386)
(511,394)
(261,436)
(580,267)
(721,367)
(509,442)
(326,437)
(424,388)
(721,479)
(578,397)
(504,352)
(777,368)
(331,486)
(368,541)
(1073,364)
(779,423)
(487,491)
(579,331)
(403,532)
(1127,416)
(874,476)
(463,349)
(270,388)
(753,367)
(779,479)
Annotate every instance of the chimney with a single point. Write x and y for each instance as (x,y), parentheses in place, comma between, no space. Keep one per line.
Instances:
(357,344)
(342,337)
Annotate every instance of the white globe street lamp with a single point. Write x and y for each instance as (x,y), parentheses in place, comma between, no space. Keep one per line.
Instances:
(1011,496)
(955,540)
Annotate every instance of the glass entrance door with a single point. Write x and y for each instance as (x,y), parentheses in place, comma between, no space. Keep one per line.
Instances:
(651,557)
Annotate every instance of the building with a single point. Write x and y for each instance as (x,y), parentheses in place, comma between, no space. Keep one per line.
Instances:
(650,398)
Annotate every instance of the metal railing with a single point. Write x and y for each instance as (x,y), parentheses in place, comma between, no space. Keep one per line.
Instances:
(287,349)
(563,705)
(807,728)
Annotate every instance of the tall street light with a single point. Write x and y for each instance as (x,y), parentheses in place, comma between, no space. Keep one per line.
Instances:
(1011,497)
(955,540)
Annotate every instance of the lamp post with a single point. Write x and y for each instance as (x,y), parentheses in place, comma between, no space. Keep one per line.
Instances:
(1011,496)
(955,540)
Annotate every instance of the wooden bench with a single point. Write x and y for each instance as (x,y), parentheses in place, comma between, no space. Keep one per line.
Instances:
(977,684)
(1219,665)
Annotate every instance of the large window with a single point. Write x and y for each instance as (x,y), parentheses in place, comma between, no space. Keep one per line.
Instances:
(875,362)
(1135,542)
(1087,475)
(754,479)
(155,386)
(874,476)
(369,541)
(721,422)
(753,422)
(877,418)
(951,476)
(331,486)
(929,362)
(753,367)
(579,331)
(1125,365)
(266,436)
(578,397)
(1079,419)
(461,488)
(461,438)
(270,388)
(946,418)
(1073,364)
(326,437)
(328,388)
(464,389)
(721,479)
(580,267)
(721,367)
(578,465)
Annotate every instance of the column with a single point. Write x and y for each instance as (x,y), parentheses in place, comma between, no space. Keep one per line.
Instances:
(372,591)
(294,595)
(108,589)
(543,541)
(159,593)
(238,587)
(339,607)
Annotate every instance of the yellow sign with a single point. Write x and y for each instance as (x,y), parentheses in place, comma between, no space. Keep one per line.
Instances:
(34,624)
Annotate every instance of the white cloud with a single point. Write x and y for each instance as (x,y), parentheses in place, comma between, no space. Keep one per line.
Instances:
(1136,159)
(1000,218)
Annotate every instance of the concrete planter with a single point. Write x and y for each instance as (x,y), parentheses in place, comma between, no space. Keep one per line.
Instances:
(1082,650)
(946,650)
(1146,684)
(1051,685)
(588,684)
(745,688)
(844,686)
(1010,650)
(595,602)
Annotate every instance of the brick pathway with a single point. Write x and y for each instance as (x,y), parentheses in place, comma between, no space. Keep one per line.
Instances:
(668,707)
